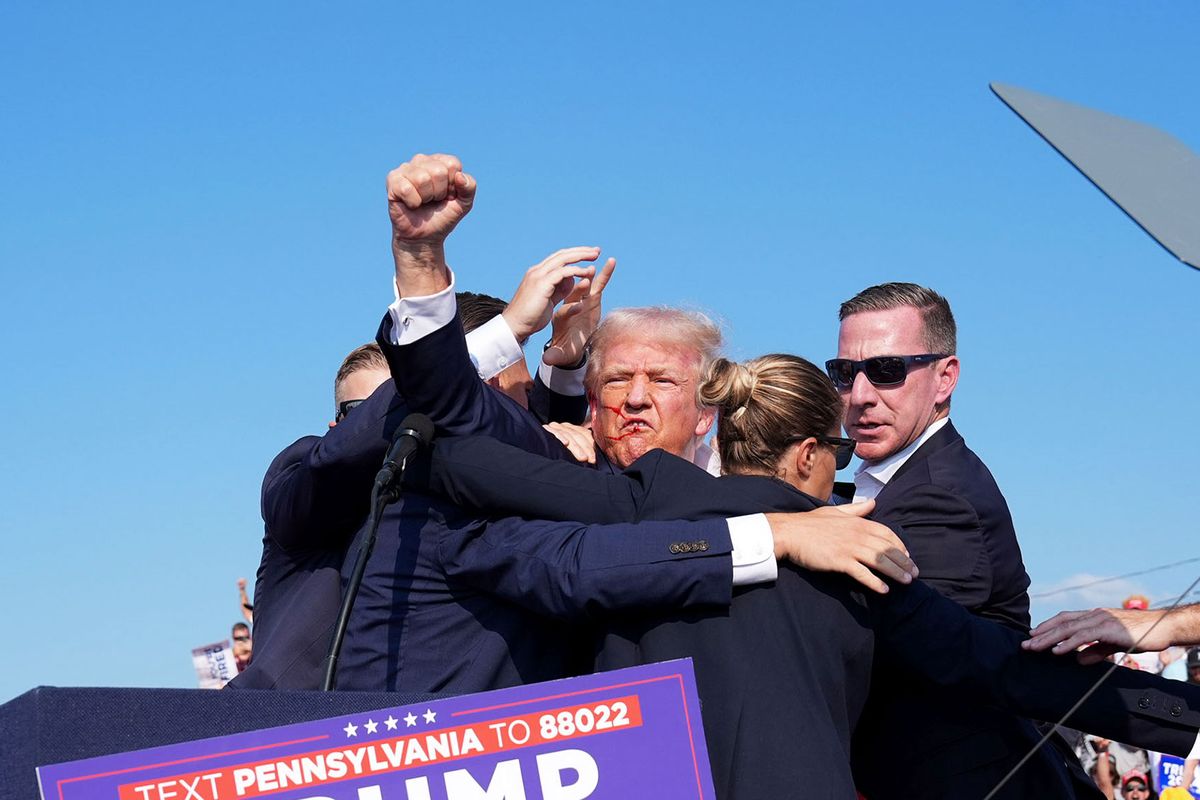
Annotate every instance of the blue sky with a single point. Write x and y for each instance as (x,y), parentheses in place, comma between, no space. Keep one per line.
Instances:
(193,233)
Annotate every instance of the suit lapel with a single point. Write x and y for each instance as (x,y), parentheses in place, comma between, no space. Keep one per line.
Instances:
(946,436)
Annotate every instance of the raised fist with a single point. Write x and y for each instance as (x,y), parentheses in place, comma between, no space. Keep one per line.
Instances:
(427,196)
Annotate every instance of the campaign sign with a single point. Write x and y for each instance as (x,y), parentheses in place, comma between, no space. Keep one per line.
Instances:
(624,734)
(1170,773)
(215,664)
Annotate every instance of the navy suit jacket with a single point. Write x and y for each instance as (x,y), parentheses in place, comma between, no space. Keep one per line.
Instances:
(778,711)
(439,609)
(960,533)
(315,497)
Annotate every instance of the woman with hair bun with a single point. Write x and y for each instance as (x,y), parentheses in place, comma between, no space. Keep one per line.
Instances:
(778,415)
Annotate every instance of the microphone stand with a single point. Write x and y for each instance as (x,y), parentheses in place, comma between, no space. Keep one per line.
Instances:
(385,492)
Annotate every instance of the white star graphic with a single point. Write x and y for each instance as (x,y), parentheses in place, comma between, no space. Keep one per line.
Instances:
(351,729)
(430,716)
(391,722)
(371,726)
(410,720)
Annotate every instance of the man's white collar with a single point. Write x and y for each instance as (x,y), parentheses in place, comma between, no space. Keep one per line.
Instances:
(885,469)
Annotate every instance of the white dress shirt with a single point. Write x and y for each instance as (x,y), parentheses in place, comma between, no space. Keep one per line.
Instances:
(416,317)
(871,477)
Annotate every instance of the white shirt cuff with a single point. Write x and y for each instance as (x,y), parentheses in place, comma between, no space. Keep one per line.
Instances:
(493,347)
(563,381)
(1195,754)
(416,317)
(753,550)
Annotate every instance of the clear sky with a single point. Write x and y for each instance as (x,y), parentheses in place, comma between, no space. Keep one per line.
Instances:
(193,232)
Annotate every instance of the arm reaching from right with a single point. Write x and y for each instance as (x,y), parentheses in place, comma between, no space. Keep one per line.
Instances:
(1110,630)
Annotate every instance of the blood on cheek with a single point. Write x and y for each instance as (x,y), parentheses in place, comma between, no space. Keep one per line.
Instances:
(617,410)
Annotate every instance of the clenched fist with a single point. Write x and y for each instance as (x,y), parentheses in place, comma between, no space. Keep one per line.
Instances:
(427,197)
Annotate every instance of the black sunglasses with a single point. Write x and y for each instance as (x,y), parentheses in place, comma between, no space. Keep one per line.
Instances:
(880,370)
(843,448)
(345,407)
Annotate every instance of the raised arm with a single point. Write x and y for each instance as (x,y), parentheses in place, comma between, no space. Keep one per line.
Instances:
(244,601)
(422,342)
(558,394)
(427,197)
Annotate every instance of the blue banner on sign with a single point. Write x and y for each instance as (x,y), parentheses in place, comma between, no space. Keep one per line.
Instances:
(624,734)
(1170,773)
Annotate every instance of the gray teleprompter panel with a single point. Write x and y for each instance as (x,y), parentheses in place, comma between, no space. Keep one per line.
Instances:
(1152,176)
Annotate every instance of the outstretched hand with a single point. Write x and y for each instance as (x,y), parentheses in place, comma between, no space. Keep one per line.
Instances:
(1102,632)
(576,319)
(545,285)
(840,539)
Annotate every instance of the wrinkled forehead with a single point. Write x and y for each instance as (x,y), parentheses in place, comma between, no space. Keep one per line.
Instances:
(894,332)
(650,354)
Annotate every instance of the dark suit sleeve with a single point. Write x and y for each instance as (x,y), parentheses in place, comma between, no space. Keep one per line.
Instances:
(436,377)
(944,643)
(568,569)
(945,539)
(482,472)
(318,490)
(551,406)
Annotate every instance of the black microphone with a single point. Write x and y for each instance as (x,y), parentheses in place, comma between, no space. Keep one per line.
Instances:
(415,432)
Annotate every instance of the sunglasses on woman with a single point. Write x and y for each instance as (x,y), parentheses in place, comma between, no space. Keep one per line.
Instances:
(843,448)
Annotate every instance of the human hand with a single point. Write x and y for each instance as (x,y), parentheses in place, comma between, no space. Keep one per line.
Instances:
(1102,632)
(241,584)
(839,539)
(576,438)
(546,284)
(576,319)
(427,197)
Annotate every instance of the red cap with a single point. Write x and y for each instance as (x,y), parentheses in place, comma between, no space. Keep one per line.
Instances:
(1137,601)
(1135,775)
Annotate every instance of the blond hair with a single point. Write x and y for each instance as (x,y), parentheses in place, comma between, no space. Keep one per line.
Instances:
(766,404)
(657,325)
